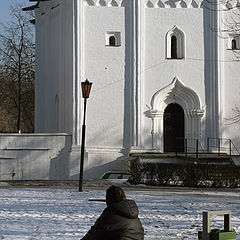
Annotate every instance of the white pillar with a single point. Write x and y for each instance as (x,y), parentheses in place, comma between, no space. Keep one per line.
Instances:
(138,76)
(78,69)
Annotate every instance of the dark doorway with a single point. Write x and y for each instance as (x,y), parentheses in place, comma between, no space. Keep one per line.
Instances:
(173,128)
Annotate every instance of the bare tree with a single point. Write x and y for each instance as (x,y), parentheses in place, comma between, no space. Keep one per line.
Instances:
(231,28)
(17,59)
(229,21)
(231,25)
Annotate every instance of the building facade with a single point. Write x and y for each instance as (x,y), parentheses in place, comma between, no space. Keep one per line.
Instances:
(162,71)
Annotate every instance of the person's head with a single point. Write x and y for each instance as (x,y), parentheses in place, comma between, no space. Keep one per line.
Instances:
(114,194)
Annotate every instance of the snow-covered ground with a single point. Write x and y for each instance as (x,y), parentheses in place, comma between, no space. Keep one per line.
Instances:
(67,214)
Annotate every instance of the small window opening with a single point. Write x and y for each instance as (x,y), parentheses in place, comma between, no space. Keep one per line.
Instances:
(174,47)
(234,44)
(112,41)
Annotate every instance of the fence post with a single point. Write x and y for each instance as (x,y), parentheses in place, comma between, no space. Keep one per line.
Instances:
(230,148)
(176,146)
(186,153)
(219,143)
(197,148)
(208,144)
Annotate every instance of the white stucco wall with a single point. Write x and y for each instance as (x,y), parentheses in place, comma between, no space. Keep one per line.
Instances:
(230,77)
(71,46)
(34,156)
(159,71)
(54,67)
(104,65)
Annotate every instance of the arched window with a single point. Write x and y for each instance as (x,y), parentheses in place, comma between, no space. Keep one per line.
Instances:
(174,47)
(234,44)
(175,44)
(112,41)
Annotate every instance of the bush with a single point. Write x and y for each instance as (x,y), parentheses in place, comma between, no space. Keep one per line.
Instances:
(166,174)
(187,175)
(150,171)
(135,172)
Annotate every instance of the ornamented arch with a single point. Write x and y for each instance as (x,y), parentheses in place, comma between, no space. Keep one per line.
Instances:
(187,98)
(175,92)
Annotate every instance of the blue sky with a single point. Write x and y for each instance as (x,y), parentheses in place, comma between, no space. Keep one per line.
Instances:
(5,8)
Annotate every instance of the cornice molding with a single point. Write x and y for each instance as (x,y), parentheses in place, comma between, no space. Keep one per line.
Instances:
(105,3)
(173,4)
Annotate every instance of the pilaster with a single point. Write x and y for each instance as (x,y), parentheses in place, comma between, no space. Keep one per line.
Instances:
(215,103)
(78,19)
(139,29)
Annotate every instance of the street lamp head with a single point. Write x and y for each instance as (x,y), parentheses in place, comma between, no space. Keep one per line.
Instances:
(86,88)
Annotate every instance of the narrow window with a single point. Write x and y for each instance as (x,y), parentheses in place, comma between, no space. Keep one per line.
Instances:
(234,44)
(175,43)
(174,47)
(112,41)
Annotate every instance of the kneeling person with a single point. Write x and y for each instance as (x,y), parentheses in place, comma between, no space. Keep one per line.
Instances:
(119,220)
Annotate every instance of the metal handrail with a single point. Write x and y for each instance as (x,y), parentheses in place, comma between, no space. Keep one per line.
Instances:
(231,148)
(219,145)
(197,146)
(235,148)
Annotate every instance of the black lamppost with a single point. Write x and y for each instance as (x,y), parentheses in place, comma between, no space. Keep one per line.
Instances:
(86,88)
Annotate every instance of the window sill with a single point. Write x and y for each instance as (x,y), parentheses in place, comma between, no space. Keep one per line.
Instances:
(112,46)
(236,49)
(175,58)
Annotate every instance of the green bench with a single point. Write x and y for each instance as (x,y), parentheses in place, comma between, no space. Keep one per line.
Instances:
(216,234)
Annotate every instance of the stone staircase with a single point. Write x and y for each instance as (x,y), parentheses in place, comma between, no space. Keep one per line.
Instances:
(182,158)
(219,151)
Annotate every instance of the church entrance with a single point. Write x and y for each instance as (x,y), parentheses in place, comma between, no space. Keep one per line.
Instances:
(173,128)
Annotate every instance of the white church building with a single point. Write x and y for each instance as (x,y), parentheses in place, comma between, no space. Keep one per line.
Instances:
(162,71)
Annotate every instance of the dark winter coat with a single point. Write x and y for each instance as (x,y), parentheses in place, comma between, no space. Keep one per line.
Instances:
(118,221)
